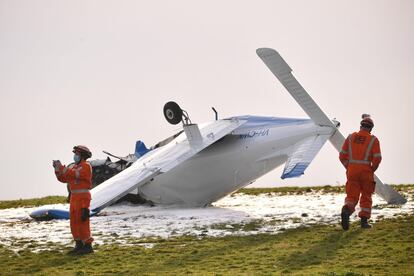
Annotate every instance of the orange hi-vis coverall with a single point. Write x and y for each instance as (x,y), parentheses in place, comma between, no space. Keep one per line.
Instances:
(361,156)
(79,178)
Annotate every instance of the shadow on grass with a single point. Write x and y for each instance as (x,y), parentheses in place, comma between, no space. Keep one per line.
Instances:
(217,253)
(228,254)
(26,262)
(321,251)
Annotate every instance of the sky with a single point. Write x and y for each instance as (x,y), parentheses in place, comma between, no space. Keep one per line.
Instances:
(98,73)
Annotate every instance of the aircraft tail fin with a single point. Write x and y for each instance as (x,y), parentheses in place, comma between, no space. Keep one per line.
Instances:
(140,149)
(302,155)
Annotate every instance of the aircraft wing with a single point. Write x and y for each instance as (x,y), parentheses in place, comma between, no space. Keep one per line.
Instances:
(159,161)
(146,168)
(278,66)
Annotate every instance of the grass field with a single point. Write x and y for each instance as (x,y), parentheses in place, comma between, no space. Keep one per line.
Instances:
(32,202)
(387,249)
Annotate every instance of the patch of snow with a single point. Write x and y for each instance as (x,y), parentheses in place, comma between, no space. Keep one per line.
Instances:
(229,216)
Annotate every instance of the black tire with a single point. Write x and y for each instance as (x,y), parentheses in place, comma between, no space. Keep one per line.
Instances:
(173,113)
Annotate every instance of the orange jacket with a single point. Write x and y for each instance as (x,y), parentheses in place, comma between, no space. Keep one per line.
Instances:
(361,149)
(78,176)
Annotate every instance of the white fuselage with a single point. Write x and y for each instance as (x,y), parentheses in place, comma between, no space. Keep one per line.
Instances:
(249,152)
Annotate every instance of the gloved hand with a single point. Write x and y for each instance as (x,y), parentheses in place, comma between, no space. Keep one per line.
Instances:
(85,214)
(56,164)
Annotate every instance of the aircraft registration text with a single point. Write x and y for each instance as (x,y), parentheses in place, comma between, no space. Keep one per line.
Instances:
(255,133)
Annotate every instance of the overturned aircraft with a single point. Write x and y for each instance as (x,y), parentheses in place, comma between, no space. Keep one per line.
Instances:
(205,162)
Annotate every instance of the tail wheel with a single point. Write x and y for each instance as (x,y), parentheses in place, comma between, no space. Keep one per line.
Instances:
(173,113)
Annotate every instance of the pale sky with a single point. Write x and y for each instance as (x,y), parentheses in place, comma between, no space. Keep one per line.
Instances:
(99,73)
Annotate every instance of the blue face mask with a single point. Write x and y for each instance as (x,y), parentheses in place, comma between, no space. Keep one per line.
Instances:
(76,158)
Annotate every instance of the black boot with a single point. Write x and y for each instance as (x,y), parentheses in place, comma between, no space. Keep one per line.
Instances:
(79,245)
(345,218)
(86,249)
(364,223)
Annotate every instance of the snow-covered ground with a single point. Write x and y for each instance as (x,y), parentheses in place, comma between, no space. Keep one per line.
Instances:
(239,214)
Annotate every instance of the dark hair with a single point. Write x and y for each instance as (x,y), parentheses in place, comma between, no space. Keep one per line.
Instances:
(83,155)
(367,126)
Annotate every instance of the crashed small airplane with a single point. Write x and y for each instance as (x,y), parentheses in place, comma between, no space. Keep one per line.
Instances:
(205,162)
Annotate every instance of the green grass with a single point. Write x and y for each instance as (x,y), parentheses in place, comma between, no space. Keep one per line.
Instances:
(387,249)
(32,202)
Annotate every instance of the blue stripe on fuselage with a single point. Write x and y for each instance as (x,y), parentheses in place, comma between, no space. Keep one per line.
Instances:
(258,122)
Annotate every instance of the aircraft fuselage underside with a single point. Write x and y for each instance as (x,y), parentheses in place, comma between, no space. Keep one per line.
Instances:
(231,163)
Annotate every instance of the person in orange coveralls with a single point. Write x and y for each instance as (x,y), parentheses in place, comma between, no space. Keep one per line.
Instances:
(78,176)
(361,156)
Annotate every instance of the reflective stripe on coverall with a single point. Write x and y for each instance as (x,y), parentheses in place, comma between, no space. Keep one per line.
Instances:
(79,178)
(361,155)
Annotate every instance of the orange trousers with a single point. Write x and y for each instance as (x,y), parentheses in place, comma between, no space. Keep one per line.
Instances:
(80,229)
(360,186)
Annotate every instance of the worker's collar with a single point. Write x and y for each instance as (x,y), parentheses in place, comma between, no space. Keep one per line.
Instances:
(81,161)
(365,130)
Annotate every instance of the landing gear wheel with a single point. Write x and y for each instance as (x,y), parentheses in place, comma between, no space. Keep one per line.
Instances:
(173,113)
